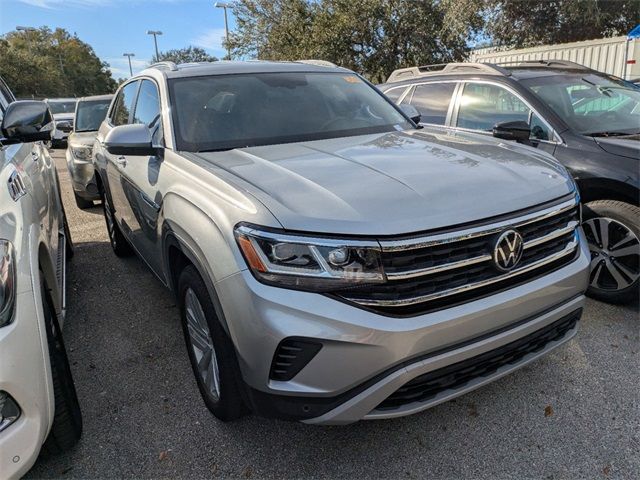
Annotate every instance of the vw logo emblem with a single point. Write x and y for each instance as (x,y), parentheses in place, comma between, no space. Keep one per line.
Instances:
(507,251)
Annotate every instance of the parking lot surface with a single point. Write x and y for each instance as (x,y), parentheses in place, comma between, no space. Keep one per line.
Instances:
(573,414)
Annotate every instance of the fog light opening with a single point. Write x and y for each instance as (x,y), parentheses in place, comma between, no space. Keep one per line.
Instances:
(9,410)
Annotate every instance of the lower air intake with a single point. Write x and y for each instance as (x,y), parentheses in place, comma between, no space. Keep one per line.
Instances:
(291,356)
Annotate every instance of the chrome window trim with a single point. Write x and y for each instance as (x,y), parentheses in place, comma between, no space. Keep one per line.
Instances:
(557,139)
(569,249)
(473,232)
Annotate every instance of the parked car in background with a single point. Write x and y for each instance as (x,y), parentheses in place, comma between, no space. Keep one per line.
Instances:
(89,114)
(38,402)
(587,120)
(332,261)
(63,110)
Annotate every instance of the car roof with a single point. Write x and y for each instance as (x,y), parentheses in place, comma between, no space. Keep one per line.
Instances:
(96,97)
(60,99)
(225,67)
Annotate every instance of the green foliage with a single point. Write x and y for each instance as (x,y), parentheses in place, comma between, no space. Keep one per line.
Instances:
(184,55)
(370,36)
(45,63)
(525,24)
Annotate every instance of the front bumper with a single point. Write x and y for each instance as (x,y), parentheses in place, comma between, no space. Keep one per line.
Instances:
(25,375)
(365,357)
(83,177)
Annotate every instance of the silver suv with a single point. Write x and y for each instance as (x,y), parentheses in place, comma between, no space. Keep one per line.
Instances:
(333,261)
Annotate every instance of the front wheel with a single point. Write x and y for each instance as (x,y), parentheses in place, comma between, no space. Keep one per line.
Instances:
(119,243)
(67,421)
(613,234)
(82,203)
(210,350)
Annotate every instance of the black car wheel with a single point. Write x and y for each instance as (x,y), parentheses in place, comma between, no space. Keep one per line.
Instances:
(67,420)
(82,203)
(210,350)
(119,243)
(613,233)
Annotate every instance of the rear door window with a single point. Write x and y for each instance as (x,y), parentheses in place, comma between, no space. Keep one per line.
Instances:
(123,106)
(432,101)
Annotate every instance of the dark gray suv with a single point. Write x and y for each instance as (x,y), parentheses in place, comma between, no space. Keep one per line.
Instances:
(587,120)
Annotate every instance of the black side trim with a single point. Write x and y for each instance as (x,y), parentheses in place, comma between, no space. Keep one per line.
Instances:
(291,356)
(301,408)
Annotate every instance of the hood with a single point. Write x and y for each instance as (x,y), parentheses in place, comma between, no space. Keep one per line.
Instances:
(83,138)
(628,146)
(393,183)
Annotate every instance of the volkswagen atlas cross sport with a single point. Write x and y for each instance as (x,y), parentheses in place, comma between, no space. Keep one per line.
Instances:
(332,261)
(38,402)
(589,121)
(90,112)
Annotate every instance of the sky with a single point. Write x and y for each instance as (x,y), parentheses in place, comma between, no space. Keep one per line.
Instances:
(113,27)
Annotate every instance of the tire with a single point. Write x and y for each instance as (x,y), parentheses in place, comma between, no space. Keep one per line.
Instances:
(119,243)
(66,429)
(82,203)
(613,234)
(221,393)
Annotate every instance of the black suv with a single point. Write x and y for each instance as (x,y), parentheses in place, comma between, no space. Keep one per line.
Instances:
(587,120)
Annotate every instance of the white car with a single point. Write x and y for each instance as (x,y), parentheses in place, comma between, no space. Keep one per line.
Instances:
(63,110)
(38,402)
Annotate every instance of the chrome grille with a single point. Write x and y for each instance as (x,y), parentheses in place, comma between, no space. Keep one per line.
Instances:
(428,273)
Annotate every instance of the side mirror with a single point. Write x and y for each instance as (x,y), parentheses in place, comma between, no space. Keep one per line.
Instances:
(27,121)
(130,140)
(411,112)
(518,131)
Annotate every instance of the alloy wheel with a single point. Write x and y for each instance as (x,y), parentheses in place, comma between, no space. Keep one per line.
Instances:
(615,254)
(202,344)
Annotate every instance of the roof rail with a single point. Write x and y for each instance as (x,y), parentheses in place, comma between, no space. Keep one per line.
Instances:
(546,63)
(320,63)
(410,72)
(166,65)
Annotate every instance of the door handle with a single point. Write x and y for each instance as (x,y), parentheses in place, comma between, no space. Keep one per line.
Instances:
(122,161)
(35,156)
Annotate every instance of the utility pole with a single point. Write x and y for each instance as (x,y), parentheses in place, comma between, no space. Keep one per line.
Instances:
(155,33)
(129,55)
(225,5)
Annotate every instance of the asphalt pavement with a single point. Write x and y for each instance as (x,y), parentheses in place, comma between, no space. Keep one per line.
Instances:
(573,414)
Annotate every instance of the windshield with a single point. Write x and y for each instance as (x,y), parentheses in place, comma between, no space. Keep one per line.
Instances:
(233,111)
(62,107)
(590,104)
(90,115)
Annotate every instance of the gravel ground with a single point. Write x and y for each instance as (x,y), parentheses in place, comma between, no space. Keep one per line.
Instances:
(573,414)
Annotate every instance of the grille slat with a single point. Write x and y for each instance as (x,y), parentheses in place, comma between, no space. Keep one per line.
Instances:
(430,275)
(427,386)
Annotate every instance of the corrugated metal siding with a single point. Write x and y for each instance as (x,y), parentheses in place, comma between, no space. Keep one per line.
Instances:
(605,55)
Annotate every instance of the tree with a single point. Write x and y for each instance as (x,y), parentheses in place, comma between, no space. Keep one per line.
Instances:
(45,63)
(184,55)
(525,24)
(373,37)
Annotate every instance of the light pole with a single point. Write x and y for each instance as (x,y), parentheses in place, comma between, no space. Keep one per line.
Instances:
(155,33)
(129,55)
(225,5)
(21,28)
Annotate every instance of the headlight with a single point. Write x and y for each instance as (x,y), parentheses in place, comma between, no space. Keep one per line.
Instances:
(81,152)
(308,263)
(7,282)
